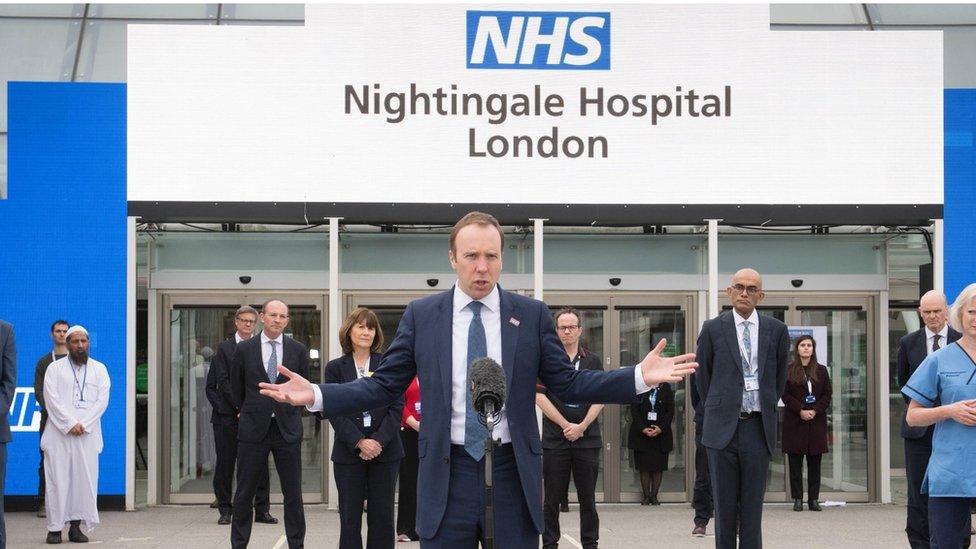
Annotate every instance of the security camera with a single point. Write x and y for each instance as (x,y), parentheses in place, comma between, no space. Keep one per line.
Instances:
(244,279)
(797,282)
(615,281)
(432,282)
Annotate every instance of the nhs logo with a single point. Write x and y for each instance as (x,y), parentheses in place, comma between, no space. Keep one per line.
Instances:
(538,40)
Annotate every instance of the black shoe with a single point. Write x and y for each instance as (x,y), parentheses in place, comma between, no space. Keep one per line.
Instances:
(214,504)
(699,531)
(74,533)
(797,504)
(54,537)
(564,507)
(224,518)
(653,500)
(814,505)
(265,518)
(646,500)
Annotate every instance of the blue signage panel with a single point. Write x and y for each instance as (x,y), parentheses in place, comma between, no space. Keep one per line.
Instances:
(63,252)
(960,190)
(538,40)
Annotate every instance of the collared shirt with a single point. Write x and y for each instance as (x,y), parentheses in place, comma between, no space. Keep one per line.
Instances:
(930,335)
(238,338)
(491,318)
(753,357)
(266,349)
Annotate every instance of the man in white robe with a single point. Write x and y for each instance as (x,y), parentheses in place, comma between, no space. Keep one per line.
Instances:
(76,390)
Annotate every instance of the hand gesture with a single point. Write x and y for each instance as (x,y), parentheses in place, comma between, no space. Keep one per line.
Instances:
(807,415)
(963,412)
(297,391)
(655,431)
(77,430)
(369,448)
(657,369)
(573,432)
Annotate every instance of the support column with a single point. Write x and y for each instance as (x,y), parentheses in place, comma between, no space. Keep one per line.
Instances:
(938,256)
(537,268)
(335,320)
(884,404)
(713,267)
(130,365)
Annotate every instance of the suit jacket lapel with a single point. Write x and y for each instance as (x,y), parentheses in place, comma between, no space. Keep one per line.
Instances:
(510,332)
(260,356)
(764,339)
(348,369)
(731,339)
(444,328)
(919,350)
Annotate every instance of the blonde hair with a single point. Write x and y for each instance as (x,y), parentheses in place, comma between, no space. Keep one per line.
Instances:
(965,297)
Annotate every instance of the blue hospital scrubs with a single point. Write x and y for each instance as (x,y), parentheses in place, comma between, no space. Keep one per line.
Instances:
(945,377)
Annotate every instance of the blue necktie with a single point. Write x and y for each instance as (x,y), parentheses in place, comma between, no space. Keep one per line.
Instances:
(748,397)
(474,432)
(273,361)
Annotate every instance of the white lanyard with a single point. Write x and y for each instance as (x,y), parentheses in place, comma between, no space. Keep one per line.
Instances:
(81,386)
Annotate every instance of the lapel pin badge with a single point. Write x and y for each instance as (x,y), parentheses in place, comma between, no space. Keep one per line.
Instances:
(514,321)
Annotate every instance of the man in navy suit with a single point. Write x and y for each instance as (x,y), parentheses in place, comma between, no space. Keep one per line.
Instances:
(743,359)
(267,427)
(439,336)
(8,384)
(912,350)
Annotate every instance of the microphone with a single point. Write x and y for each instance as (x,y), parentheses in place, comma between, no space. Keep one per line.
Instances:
(486,380)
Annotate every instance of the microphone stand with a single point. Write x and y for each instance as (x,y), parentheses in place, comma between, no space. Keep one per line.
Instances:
(490,419)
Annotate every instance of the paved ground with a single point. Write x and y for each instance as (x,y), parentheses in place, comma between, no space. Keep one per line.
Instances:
(622,527)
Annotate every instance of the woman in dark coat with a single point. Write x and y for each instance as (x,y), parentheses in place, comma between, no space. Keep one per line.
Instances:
(651,439)
(807,397)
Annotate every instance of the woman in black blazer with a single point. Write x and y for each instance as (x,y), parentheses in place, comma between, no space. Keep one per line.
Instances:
(367,451)
(651,439)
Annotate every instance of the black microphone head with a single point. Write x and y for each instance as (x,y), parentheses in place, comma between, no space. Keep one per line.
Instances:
(486,381)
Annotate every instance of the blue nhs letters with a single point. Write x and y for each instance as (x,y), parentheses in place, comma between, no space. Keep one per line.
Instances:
(538,40)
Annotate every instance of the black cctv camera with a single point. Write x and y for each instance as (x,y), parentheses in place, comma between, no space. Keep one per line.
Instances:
(615,281)
(797,282)
(244,279)
(432,282)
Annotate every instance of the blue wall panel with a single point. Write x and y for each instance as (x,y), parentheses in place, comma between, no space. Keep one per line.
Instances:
(63,252)
(960,190)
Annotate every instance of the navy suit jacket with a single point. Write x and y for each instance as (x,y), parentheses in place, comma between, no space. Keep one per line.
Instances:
(720,383)
(8,377)
(531,351)
(247,371)
(220,393)
(912,350)
(349,429)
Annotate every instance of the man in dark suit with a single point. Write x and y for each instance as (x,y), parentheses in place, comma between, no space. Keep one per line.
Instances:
(8,385)
(439,336)
(912,350)
(701,501)
(220,393)
(267,426)
(743,359)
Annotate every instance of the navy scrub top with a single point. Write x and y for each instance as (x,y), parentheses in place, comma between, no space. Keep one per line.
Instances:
(947,376)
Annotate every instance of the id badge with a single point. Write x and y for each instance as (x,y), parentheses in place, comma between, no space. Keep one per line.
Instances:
(571,405)
(416,407)
(752,383)
(810,399)
(81,404)
(367,420)
(651,416)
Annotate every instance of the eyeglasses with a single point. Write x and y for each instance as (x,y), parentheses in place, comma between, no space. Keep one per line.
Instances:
(246,321)
(572,328)
(751,290)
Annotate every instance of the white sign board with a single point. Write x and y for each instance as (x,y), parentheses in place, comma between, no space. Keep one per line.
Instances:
(629,104)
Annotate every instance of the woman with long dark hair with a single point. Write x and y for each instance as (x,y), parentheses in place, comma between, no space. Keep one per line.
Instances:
(807,397)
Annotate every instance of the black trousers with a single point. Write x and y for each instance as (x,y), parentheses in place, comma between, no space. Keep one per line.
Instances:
(406,521)
(738,474)
(584,464)
(702,498)
(252,457)
(950,522)
(917,454)
(813,475)
(40,467)
(225,443)
(373,482)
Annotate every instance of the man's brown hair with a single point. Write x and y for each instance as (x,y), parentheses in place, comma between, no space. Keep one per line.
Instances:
(477,218)
(360,314)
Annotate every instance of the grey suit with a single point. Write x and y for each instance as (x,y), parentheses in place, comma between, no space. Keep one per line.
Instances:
(8,384)
(739,450)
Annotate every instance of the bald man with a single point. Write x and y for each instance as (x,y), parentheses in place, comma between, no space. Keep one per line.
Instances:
(742,361)
(912,350)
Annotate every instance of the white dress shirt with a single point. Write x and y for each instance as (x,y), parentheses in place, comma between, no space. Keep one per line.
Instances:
(753,357)
(266,349)
(930,335)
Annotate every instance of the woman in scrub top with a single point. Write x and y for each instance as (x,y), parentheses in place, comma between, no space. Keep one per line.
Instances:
(943,393)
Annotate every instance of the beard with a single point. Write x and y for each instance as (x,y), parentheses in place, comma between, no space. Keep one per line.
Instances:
(78,357)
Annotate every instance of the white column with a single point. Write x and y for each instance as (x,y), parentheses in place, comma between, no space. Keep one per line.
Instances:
(153,352)
(335,320)
(130,365)
(884,404)
(713,267)
(537,268)
(938,256)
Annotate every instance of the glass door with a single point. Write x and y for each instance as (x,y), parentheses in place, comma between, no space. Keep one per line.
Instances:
(194,326)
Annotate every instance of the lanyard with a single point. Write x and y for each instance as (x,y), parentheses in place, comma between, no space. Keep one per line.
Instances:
(364,372)
(84,380)
(653,398)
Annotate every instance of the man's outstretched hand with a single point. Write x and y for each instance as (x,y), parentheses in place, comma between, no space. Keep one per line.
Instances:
(297,391)
(657,369)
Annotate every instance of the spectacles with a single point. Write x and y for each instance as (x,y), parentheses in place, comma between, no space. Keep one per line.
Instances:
(751,290)
(246,321)
(572,328)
